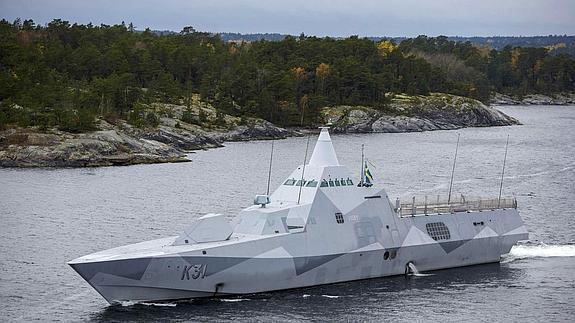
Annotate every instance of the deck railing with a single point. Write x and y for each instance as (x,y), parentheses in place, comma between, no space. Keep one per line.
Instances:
(437,204)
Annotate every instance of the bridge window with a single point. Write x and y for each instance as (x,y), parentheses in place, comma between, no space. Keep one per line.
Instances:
(300,183)
(290,182)
(332,182)
(438,231)
(312,183)
(339,218)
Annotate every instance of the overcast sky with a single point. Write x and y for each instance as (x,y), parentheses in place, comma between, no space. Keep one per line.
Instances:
(315,17)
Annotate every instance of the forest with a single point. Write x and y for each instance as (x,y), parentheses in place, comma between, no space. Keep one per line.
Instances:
(66,75)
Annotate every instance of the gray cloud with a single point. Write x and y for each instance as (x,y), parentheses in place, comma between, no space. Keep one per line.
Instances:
(315,17)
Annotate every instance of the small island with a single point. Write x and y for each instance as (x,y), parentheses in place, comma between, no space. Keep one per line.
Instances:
(179,129)
(75,95)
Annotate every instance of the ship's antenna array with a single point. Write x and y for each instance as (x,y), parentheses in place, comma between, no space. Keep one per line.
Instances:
(303,170)
(503,172)
(361,168)
(453,170)
(270,170)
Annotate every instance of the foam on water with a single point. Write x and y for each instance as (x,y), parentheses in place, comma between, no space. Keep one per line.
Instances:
(415,272)
(234,299)
(160,304)
(330,296)
(133,303)
(539,251)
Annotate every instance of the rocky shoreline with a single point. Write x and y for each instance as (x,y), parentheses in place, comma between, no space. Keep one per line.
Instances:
(534,99)
(437,111)
(120,143)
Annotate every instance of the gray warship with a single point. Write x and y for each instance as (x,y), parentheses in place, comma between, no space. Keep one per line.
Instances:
(318,227)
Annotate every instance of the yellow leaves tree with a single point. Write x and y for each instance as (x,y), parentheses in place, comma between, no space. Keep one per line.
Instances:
(233,49)
(299,75)
(556,46)
(322,71)
(385,47)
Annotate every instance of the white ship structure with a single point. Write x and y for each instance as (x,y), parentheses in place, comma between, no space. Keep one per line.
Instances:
(318,227)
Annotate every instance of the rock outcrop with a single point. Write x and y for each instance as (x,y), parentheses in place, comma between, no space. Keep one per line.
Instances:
(534,99)
(27,148)
(121,144)
(416,113)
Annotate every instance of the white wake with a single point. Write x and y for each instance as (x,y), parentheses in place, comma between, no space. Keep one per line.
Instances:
(234,300)
(132,303)
(330,296)
(539,251)
(415,272)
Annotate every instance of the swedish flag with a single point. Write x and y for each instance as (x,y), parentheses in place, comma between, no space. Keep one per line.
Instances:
(368,178)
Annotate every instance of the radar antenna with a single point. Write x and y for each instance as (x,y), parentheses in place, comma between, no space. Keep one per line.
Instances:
(270,169)
(361,171)
(503,172)
(453,170)
(303,170)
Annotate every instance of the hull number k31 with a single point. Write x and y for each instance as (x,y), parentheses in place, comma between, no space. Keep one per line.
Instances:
(194,271)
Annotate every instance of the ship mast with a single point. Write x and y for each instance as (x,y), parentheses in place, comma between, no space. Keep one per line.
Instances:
(270,169)
(361,167)
(303,170)
(503,172)
(453,170)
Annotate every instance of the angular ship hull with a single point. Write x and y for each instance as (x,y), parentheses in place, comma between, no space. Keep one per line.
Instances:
(307,235)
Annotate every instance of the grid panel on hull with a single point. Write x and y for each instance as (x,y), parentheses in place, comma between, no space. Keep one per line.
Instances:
(438,231)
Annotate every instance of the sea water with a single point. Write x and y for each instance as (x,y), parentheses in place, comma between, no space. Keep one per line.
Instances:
(50,216)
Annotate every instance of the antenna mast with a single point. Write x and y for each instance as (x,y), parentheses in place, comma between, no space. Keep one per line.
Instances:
(503,172)
(303,170)
(453,170)
(270,170)
(361,168)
